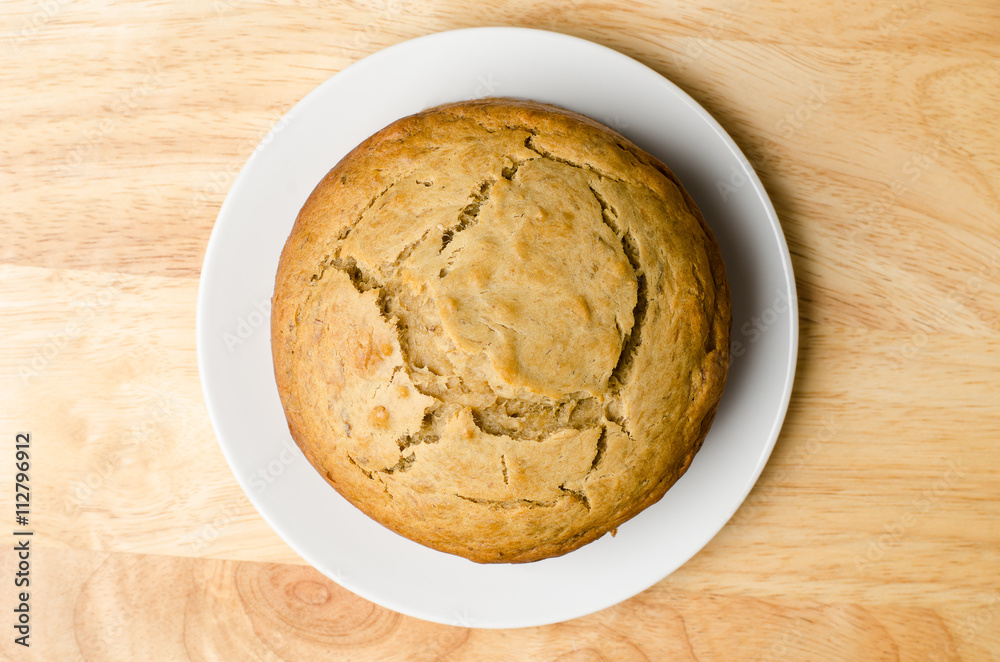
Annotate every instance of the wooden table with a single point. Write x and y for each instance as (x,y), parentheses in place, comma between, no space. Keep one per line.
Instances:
(874,532)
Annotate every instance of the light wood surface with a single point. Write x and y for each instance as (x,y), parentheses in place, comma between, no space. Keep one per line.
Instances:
(874,532)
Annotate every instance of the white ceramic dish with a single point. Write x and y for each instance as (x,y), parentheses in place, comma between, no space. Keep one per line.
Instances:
(234,355)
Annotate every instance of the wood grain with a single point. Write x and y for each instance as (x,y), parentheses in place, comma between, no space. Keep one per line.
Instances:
(874,532)
(162,607)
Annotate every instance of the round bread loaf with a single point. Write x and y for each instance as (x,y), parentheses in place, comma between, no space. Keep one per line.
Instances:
(500,329)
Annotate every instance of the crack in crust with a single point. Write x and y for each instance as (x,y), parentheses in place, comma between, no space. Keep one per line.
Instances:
(425,435)
(576,494)
(405,462)
(509,503)
(529,142)
(511,417)
(367,474)
(363,282)
(602,445)
(466,219)
(633,337)
(371,203)
(505,417)
(469,215)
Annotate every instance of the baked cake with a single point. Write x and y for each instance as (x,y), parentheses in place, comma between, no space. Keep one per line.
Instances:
(500,329)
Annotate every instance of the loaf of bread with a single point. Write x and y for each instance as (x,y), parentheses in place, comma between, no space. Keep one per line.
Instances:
(500,329)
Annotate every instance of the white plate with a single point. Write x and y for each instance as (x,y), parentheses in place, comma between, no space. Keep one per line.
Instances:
(234,354)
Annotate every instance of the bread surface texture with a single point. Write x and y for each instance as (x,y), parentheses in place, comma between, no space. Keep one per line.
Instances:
(500,329)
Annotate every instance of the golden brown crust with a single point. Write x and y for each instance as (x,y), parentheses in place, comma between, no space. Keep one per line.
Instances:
(500,329)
